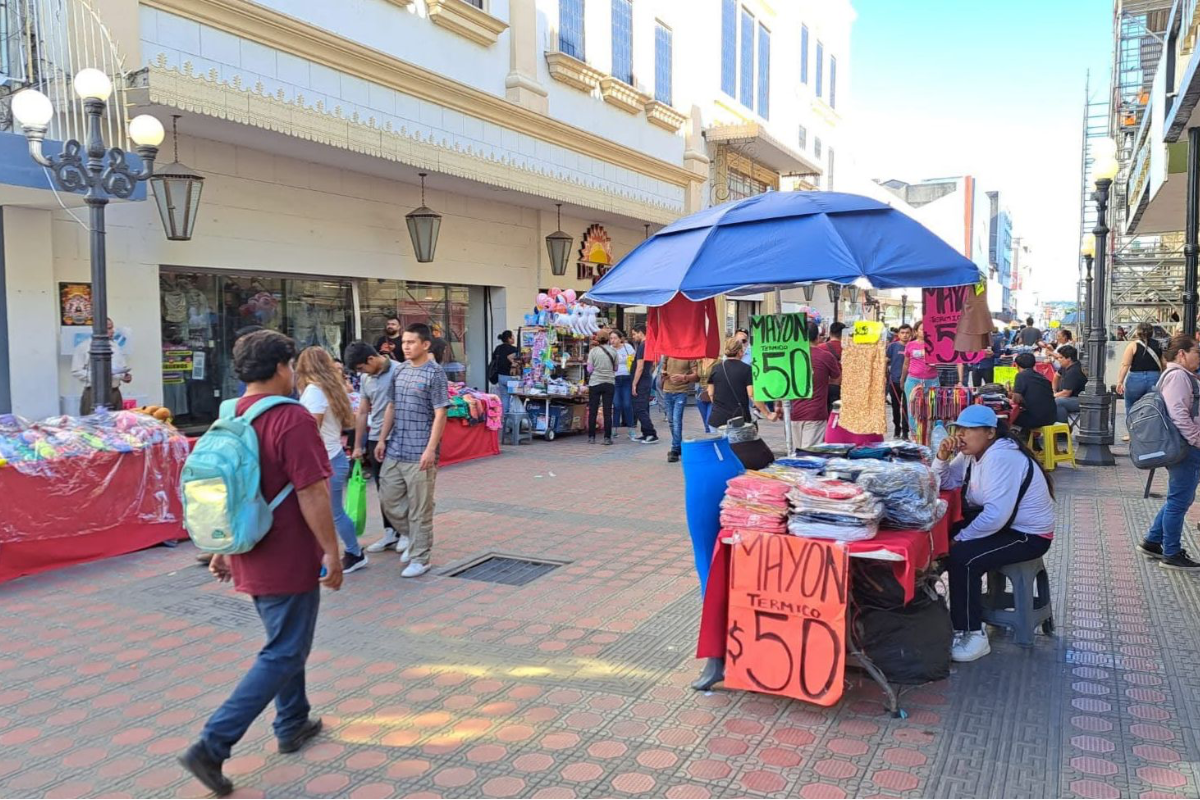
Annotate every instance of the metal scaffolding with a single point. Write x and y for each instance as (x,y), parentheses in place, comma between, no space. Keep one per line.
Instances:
(1146,271)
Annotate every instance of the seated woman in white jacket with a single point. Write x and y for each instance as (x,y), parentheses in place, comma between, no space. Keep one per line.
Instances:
(1008,516)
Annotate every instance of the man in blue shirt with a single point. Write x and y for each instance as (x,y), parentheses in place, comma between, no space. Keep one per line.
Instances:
(984,371)
(895,362)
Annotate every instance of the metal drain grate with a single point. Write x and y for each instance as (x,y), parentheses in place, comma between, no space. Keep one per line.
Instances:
(506,570)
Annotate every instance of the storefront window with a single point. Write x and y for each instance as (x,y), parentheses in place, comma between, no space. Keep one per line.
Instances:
(202,313)
(442,308)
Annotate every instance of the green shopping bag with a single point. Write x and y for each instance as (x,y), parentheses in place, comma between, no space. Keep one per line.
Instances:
(356,498)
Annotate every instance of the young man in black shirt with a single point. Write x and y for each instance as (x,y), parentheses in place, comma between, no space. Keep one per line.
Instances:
(643,389)
(1034,394)
(1070,382)
(389,344)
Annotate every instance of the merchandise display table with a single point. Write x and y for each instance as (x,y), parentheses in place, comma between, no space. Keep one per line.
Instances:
(910,552)
(551,415)
(90,507)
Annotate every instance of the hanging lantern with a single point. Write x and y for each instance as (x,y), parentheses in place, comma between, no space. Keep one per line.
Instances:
(854,292)
(808,290)
(177,190)
(423,226)
(835,292)
(558,246)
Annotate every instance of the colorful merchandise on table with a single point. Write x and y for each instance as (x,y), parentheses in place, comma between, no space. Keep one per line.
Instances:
(928,405)
(475,407)
(908,491)
(755,501)
(33,447)
(827,508)
(864,387)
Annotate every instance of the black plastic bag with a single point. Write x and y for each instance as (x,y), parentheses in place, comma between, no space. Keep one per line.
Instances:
(910,644)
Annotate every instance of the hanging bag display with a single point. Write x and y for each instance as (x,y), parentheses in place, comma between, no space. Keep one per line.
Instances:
(356,498)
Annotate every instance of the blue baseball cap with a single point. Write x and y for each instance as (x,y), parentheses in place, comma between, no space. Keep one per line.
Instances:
(976,417)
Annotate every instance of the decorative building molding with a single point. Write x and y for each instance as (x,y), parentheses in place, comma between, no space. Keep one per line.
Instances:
(573,72)
(401,3)
(622,95)
(665,117)
(466,20)
(207,94)
(281,32)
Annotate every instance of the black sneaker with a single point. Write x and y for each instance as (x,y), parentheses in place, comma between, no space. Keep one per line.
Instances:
(652,439)
(591,440)
(608,440)
(310,729)
(1179,561)
(672,457)
(197,761)
(1152,549)
(352,562)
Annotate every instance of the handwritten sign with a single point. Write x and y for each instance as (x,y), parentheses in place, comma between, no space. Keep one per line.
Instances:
(781,361)
(943,307)
(787,616)
(1004,375)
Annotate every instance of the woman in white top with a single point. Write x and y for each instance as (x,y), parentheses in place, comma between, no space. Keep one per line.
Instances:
(623,399)
(1008,516)
(323,393)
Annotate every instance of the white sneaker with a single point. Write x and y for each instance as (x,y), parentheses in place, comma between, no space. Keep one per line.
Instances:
(402,545)
(404,556)
(389,539)
(970,646)
(414,570)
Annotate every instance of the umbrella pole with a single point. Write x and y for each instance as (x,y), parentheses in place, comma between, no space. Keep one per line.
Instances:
(787,405)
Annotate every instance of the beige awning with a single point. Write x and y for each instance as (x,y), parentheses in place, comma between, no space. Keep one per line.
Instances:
(763,148)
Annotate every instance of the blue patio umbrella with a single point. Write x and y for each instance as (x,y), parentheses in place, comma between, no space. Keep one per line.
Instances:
(783,239)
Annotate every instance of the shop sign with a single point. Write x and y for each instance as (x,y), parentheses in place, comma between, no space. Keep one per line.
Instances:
(177,365)
(75,303)
(787,616)
(780,357)
(943,307)
(595,254)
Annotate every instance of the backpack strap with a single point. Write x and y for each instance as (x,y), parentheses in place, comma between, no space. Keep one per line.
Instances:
(1021,492)
(263,406)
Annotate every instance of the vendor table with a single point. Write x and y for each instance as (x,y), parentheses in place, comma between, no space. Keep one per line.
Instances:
(911,552)
(87,508)
(462,442)
(547,425)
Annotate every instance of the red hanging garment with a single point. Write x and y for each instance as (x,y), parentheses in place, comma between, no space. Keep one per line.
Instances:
(683,328)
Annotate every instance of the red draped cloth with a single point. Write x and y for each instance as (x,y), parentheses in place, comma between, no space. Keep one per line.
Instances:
(683,328)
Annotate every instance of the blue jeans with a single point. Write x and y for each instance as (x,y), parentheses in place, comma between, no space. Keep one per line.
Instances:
(337,493)
(623,403)
(277,674)
(909,384)
(676,402)
(1136,385)
(704,407)
(1167,527)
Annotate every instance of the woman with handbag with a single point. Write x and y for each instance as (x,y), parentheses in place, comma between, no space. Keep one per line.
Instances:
(1141,367)
(730,388)
(602,387)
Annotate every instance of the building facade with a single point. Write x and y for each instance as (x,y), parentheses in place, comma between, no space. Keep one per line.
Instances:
(1000,246)
(311,123)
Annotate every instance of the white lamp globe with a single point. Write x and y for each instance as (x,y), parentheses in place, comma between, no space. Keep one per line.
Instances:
(146,131)
(92,84)
(1104,148)
(1105,168)
(32,108)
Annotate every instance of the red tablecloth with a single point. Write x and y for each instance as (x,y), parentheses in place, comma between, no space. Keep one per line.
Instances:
(918,548)
(1045,369)
(467,442)
(88,508)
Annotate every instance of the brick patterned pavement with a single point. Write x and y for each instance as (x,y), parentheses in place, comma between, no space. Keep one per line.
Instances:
(576,685)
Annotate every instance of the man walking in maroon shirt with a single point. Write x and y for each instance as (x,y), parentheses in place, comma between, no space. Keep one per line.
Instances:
(283,571)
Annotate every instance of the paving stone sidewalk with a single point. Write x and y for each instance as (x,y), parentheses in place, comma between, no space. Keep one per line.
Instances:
(576,685)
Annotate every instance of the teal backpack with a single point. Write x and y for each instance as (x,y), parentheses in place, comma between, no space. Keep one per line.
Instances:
(223,507)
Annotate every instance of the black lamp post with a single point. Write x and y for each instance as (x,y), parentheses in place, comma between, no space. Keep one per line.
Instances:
(835,297)
(1084,311)
(1190,247)
(1095,404)
(99,173)
(904,309)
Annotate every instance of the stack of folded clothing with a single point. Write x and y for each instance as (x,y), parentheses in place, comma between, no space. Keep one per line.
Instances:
(907,489)
(827,508)
(757,502)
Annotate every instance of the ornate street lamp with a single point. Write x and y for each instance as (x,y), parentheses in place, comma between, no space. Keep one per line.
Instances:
(423,226)
(809,290)
(99,173)
(904,309)
(177,190)
(558,246)
(835,297)
(1095,404)
(1088,251)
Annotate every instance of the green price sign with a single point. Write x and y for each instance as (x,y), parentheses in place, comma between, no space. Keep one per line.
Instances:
(782,362)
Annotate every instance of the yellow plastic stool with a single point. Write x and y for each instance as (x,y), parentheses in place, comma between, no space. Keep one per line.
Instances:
(1049,452)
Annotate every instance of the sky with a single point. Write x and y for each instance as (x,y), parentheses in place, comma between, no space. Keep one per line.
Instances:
(993,90)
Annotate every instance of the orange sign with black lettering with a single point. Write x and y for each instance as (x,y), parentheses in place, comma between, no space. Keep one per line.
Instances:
(787,616)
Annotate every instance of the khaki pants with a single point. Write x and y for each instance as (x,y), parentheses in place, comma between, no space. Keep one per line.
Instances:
(807,433)
(406,492)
